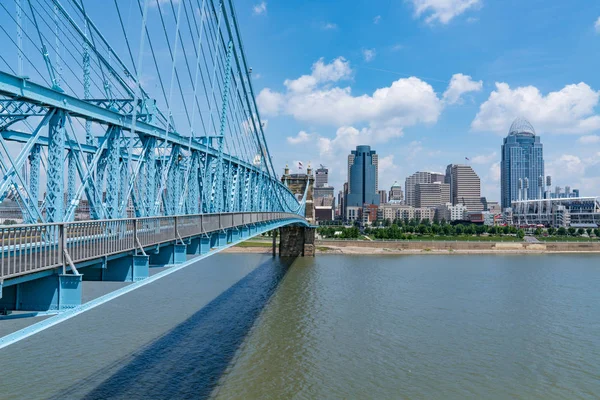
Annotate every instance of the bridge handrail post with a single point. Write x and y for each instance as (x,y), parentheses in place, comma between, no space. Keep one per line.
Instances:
(135,234)
(61,246)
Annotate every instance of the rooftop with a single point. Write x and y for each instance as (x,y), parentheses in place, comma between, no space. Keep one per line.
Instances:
(522,127)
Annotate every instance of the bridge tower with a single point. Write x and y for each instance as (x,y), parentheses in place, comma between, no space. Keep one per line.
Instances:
(298,241)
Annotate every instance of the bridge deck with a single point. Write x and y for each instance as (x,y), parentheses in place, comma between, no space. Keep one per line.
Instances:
(26,249)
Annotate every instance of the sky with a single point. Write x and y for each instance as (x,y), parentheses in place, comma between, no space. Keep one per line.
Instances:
(427,83)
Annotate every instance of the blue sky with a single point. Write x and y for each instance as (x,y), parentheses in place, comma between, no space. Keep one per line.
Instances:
(427,82)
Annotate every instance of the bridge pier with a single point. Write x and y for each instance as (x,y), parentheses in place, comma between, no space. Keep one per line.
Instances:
(54,292)
(296,241)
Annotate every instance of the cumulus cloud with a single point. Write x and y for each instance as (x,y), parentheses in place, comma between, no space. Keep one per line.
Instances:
(328,26)
(442,10)
(302,137)
(589,139)
(459,85)
(270,102)
(570,110)
(260,8)
(484,158)
(597,25)
(494,172)
(318,99)
(369,54)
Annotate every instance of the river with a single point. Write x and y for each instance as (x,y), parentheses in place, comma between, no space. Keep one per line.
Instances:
(245,326)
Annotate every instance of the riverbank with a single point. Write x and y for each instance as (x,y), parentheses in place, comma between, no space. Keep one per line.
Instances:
(433,247)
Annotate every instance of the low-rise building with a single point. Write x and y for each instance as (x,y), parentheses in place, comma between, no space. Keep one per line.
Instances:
(353,213)
(449,212)
(579,212)
(393,211)
(324,209)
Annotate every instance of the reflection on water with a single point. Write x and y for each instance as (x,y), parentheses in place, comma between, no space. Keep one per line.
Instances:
(426,327)
(243,326)
(186,361)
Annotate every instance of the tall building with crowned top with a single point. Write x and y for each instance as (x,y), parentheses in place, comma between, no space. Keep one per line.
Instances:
(522,159)
(362,177)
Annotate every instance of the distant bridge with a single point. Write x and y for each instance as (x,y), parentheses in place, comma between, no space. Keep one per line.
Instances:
(129,136)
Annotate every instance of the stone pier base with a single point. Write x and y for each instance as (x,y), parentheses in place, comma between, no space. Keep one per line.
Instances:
(296,241)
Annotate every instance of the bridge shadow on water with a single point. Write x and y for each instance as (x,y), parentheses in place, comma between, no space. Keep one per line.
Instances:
(188,361)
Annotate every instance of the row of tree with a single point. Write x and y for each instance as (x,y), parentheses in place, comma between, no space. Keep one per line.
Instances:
(401,231)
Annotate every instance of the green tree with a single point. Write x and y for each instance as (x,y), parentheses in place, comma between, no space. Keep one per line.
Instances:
(572,231)
(459,229)
(597,232)
(589,231)
(422,229)
(470,229)
(538,232)
(520,233)
(562,231)
(580,231)
(480,229)
(551,231)
(506,229)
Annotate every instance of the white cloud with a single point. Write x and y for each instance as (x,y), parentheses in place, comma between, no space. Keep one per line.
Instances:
(369,54)
(590,139)
(312,99)
(260,8)
(397,47)
(378,117)
(494,172)
(597,25)
(484,158)
(302,137)
(269,102)
(570,110)
(459,85)
(329,26)
(337,70)
(377,19)
(348,137)
(442,10)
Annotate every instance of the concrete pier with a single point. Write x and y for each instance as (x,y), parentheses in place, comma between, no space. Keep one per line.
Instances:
(296,241)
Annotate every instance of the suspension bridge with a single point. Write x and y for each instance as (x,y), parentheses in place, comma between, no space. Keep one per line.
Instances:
(129,136)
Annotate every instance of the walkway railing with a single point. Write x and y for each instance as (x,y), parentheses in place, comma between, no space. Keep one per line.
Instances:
(31,248)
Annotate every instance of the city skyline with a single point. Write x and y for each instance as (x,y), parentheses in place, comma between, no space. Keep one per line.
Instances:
(459,100)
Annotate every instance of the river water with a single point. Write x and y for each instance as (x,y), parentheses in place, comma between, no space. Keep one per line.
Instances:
(245,326)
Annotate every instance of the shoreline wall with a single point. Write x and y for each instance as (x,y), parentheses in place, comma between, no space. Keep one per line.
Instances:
(464,245)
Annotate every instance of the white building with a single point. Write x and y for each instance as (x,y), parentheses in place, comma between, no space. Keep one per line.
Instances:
(449,212)
(578,212)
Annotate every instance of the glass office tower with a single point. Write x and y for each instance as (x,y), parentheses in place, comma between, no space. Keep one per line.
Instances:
(522,157)
(362,177)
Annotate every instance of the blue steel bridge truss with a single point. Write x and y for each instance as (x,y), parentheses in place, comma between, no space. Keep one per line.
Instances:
(130,108)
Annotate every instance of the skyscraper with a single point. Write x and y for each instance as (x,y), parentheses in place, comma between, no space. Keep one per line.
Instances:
(465,186)
(321,175)
(431,194)
(420,177)
(522,157)
(362,177)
